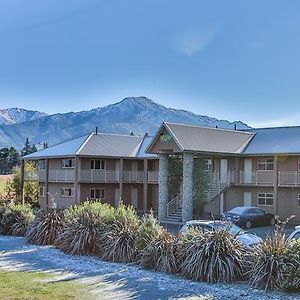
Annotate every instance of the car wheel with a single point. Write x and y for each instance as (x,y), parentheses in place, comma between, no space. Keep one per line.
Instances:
(248,224)
(272,222)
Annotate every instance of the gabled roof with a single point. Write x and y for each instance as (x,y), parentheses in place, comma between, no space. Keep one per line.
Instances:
(204,139)
(276,140)
(100,145)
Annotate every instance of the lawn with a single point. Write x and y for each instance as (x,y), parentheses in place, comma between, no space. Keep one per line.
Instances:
(38,285)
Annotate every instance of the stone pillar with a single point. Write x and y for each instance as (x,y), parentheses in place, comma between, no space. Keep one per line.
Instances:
(187,193)
(163,196)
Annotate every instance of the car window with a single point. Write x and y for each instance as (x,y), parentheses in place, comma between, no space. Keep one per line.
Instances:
(200,226)
(297,235)
(256,211)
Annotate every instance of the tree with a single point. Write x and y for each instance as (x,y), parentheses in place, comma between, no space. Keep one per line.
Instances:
(28,149)
(9,158)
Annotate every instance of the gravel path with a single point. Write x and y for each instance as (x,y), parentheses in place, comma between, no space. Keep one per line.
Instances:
(119,281)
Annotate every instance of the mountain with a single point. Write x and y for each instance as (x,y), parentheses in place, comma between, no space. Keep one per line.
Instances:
(136,114)
(19,115)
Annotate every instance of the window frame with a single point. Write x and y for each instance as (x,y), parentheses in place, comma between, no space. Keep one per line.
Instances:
(102,163)
(67,196)
(101,193)
(42,162)
(265,197)
(64,166)
(264,163)
(208,165)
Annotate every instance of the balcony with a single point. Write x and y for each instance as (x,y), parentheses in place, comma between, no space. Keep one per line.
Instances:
(264,178)
(289,179)
(106,176)
(35,176)
(63,175)
(134,176)
(153,177)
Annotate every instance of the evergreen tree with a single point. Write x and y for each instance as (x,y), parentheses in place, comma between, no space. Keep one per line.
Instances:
(28,149)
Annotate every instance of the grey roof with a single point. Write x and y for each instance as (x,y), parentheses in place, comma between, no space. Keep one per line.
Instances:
(68,148)
(101,145)
(277,140)
(204,139)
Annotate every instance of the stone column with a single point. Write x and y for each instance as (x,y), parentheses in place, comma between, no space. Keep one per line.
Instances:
(163,196)
(187,193)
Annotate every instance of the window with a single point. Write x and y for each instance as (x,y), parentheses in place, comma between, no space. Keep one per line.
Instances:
(68,163)
(265,199)
(98,164)
(67,192)
(299,200)
(42,191)
(97,194)
(42,165)
(299,165)
(266,164)
(207,165)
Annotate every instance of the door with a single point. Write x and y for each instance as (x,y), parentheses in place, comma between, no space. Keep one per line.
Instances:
(223,171)
(247,199)
(248,170)
(134,197)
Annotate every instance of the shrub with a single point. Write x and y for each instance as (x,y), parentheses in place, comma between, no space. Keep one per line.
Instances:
(83,226)
(46,228)
(119,240)
(292,282)
(149,230)
(212,256)
(269,263)
(160,254)
(15,219)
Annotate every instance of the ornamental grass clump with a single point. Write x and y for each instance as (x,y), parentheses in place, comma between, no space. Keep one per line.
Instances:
(119,240)
(16,219)
(83,228)
(160,254)
(212,256)
(269,264)
(46,228)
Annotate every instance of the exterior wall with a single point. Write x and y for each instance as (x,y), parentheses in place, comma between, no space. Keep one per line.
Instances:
(288,203)
(288,163)
(55,191)
(110,164)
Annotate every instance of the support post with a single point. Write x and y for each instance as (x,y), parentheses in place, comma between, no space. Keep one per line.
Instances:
(163,186)
(276,185)
(145,186)
(76,179)
(22,181)
(47,183)
(121,179)
(187,196)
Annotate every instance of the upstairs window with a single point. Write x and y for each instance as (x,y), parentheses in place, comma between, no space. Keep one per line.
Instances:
(42,165)
(67,192)
(207,165)
(266,164)
(265,199)
(97,194)
(98,164)
(68,163)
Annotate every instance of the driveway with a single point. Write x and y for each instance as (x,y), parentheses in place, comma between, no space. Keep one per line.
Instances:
(120,281)
(267,230)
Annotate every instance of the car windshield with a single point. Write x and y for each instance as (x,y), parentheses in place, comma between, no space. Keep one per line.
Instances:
(234,229)
(238,210)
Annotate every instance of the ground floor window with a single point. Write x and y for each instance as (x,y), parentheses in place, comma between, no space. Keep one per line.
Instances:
(42,191)
(97,194)
(265,199)
(67,192)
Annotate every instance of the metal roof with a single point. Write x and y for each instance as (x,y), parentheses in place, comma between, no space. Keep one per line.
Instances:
(276,140)
(204,139)
(101,145)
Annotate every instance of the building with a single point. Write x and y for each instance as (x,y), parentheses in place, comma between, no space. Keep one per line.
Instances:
(110,167)
(259,167)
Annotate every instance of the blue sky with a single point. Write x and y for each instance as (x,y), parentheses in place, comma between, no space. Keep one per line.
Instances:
(236,60)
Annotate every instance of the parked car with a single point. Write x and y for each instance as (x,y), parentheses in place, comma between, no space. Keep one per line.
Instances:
(295,234)
(248,240)
(249,216)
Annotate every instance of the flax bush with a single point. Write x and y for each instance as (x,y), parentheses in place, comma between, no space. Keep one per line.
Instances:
(15,219)
(83,228)
(212,256)
(160,254)
(46,228)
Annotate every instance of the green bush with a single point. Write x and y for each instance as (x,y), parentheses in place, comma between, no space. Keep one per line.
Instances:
(160,254)
(119,238)
(15,219)
(292,282)
(83,227)
(212,256)
(46,228)
(269,264)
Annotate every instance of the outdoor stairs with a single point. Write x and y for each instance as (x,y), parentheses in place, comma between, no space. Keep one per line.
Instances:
(215,189)
(175,217)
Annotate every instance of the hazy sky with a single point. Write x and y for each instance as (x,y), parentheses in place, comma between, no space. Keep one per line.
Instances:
(236,60)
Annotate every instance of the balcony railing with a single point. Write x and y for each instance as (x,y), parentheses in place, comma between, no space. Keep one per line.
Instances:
(133,176)
(152,176)
(99,176)
(257,178)
(289,178)
(35,176)
(62,175)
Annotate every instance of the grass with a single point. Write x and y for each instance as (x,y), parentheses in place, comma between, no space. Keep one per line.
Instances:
(38,285)
(2,185)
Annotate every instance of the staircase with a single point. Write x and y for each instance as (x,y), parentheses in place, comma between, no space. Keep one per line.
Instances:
(174,210)
(175,217)
(215,189)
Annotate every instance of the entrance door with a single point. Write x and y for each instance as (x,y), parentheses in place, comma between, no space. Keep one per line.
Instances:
(223,171)
(247,170)
(134,197)
(247,199)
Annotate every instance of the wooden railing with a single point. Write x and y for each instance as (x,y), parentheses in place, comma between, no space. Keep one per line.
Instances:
(62,175)
(288,178)
(99,176)
(152,176)
(39,175)
(133,176)
(257,178)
